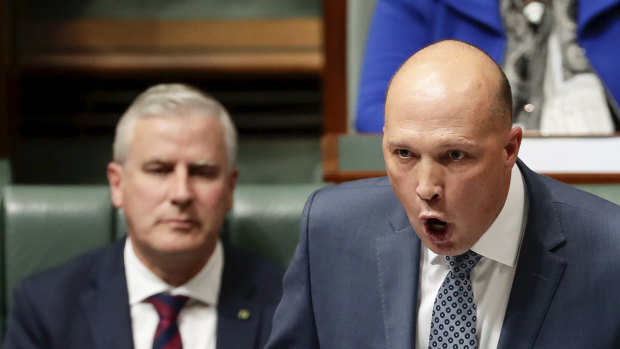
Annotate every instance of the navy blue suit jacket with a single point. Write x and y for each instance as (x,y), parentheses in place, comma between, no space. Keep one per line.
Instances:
(353,281)
(84,303)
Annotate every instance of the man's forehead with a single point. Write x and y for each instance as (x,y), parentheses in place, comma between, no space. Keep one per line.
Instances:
(434,102)
(439,139)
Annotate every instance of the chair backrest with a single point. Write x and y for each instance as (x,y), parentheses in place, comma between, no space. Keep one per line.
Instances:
(265,219)
(44,225)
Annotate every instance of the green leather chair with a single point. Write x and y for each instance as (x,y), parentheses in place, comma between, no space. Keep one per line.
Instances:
(45,225)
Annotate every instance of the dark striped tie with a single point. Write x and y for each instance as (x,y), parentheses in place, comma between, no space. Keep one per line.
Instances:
(168,307)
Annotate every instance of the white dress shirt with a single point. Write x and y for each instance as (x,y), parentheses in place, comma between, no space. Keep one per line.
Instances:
(197,320)
(491,278)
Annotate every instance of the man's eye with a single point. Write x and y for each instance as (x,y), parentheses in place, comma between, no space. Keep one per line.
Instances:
(205,172)
(456,155)
(403,153)
(158,170)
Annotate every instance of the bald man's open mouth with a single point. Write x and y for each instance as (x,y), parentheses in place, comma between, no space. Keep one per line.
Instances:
(436,230)
(435,226)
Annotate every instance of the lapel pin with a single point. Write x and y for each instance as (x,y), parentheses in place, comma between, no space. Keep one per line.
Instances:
(243,314)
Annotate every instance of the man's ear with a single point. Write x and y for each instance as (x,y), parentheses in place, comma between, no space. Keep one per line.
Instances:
(115,179)
(513,145)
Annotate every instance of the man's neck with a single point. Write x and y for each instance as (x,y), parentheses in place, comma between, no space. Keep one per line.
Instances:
(175,268)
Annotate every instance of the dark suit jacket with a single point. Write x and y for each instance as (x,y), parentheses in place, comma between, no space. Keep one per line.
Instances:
(84,303)
(353,281)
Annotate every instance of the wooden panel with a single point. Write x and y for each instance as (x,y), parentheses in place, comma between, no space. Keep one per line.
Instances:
(128,45)
(586,178)
(290,34)
(334,73)
(571,178)
(5,73)
(263,62)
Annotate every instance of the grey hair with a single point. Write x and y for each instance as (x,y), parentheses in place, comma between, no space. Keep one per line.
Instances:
(173,100)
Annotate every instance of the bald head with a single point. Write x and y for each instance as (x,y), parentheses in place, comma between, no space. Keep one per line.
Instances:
(448,145)
(455,67)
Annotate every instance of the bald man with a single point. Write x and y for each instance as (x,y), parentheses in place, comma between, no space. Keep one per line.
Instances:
(461,246)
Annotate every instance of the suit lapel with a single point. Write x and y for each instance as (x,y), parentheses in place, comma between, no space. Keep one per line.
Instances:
(398,260)
(539,269)
(238,322)
(107,303)
(239,315)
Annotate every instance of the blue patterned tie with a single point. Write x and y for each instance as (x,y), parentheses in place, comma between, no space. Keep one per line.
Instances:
(454,312)
(167,335)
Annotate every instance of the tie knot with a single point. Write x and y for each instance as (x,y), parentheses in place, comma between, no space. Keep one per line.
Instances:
(168,306)
(462,264)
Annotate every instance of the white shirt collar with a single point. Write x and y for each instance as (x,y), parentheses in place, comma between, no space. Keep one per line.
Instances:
(143,283)
(502,241)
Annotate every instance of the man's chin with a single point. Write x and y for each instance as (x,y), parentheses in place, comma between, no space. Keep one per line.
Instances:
(443,247)
(184,244)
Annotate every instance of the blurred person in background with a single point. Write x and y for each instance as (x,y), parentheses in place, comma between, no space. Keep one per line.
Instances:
(171,282)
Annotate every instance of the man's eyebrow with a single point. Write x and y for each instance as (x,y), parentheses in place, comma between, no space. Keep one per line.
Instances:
(155,161)
(203,163)
(449,144)
(460,143)
(396,144)
(197,163)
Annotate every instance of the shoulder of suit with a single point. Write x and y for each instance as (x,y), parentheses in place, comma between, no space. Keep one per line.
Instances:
(354,200)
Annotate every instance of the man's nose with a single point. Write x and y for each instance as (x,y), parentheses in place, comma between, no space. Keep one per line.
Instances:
(181,191)
(429,184)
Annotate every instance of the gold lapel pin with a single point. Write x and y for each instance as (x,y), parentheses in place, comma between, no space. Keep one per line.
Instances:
(243,314)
